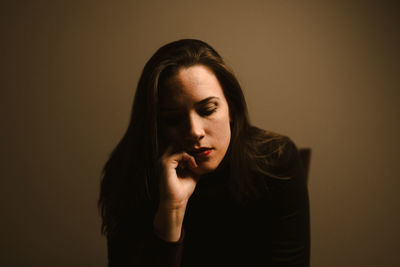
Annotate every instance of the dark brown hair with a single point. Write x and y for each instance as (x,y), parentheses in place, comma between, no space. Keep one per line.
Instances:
(129,174)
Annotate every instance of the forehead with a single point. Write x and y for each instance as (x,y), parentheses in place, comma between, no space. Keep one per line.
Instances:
(190,85)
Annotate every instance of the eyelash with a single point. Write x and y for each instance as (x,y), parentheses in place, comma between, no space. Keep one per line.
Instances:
(207,112)
(174,119)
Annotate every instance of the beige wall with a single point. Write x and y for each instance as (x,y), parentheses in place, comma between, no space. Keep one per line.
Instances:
(326,74)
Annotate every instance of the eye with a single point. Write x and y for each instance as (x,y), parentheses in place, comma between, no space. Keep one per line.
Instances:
(208,110)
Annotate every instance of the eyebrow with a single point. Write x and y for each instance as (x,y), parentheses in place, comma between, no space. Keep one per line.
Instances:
(200,103)
(206,100)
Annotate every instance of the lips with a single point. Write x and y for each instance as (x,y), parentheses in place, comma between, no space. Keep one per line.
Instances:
(201,152)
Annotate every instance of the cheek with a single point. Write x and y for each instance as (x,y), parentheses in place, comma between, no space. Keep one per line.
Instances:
(222,131)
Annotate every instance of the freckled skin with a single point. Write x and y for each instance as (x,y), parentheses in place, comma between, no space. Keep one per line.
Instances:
(196,114)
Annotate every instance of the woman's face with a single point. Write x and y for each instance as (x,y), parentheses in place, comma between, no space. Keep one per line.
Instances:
(194,116)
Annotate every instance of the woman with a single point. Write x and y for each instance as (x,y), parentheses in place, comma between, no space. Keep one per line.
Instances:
(192,183)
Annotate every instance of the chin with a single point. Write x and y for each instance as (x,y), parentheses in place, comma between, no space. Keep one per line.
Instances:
(206,167)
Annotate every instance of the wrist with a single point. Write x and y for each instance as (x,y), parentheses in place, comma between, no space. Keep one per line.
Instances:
(172,205)
(168,223)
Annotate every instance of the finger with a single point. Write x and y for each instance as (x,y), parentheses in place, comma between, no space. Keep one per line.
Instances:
(190,160)
(181,160)
(167,156)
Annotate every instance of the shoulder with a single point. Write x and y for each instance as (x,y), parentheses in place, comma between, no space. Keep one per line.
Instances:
(287,200)
(275,153)
(281,169)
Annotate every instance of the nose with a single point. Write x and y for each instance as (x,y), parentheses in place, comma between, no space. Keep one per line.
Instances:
(195,128)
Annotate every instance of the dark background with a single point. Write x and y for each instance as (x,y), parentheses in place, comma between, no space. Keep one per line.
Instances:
(323,72)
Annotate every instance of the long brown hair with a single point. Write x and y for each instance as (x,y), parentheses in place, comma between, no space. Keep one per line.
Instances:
(129,174)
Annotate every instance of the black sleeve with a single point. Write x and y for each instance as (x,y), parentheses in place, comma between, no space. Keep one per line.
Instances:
(142,247)
(291,231)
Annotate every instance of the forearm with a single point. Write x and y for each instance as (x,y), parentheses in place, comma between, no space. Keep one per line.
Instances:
(168,222)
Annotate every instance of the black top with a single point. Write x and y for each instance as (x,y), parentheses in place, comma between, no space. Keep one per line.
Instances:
(270,231)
